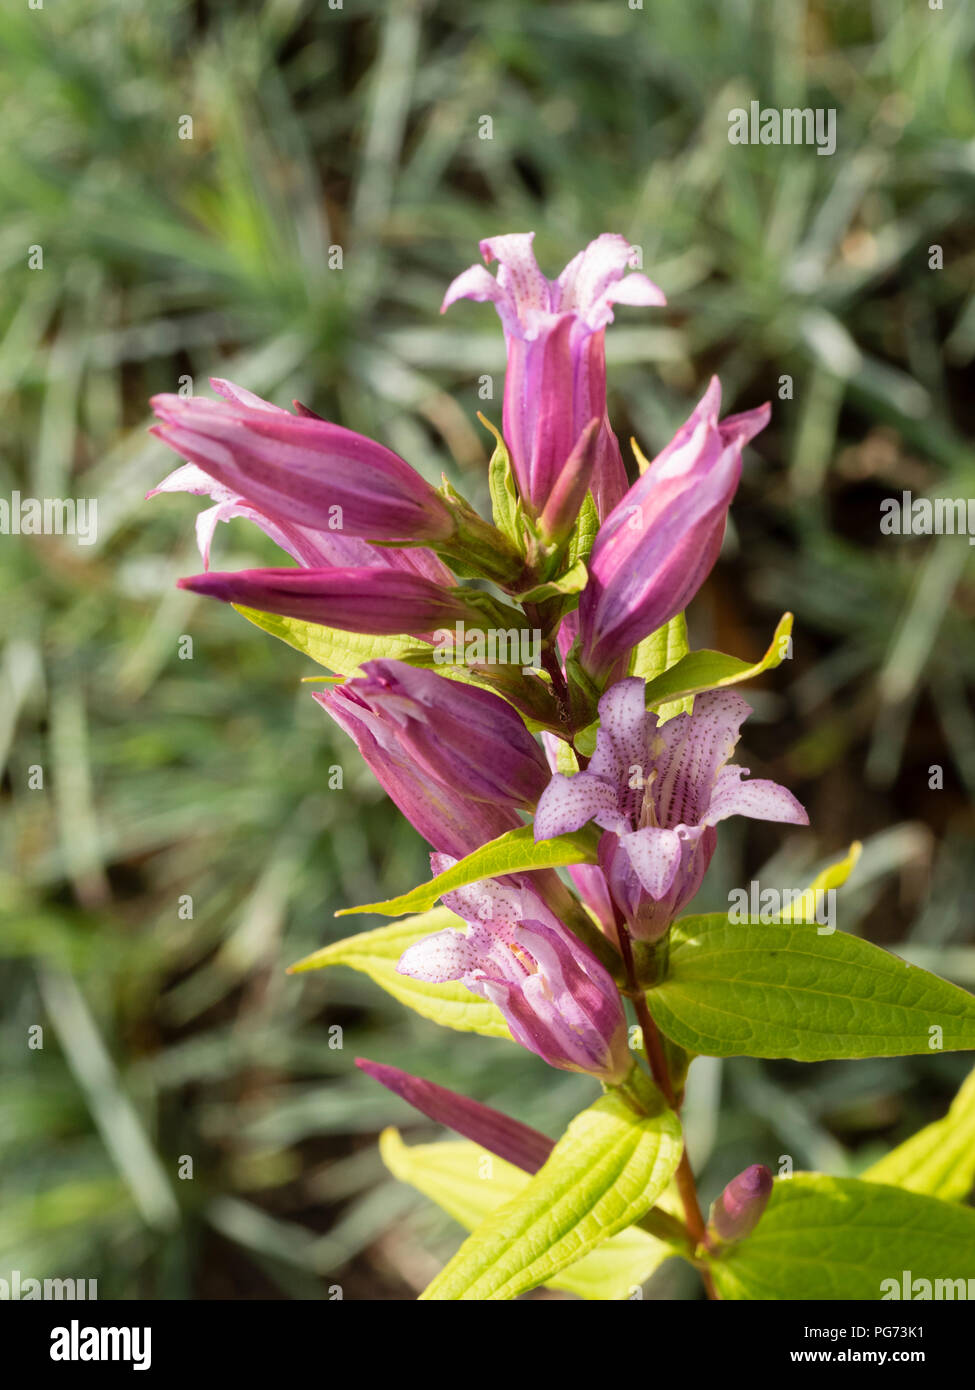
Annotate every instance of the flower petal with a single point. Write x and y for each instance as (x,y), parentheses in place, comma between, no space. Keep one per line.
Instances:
(621,742)
(689,752)
(567,803)
(761,799)
(655,855)
(593,281)
(446,955)
(525,286)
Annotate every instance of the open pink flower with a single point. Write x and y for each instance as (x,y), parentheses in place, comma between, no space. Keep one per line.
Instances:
(557,999)
(660,790)
(555,334)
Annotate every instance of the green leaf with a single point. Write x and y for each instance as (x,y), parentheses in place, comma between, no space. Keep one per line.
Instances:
(706,670)
(841,1238)
(469,1184)
(511,853)
(506,506)
(939,1159)
(604,1174)
(375,954)
(656,654)
(781,990)
(671,687)
(565,759)
(343,652)
(584,532)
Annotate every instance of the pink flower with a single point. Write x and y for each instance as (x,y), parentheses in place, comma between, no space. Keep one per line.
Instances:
(557,999)
(555,334)
(739,1209)
(494,1131)
(376,600)
(657,547)
(457,761)
(660,790)
(301,470)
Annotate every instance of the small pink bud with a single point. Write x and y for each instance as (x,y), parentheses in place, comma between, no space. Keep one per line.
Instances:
(739,1209)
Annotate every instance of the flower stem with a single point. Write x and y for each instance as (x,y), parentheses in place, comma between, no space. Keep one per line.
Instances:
(657,1063)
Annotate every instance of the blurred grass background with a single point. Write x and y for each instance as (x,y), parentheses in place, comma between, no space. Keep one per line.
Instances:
(167,1036)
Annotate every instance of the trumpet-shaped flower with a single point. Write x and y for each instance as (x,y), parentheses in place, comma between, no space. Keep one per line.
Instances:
(660,790)
(556,997)
(383,602)
(458,761)
(311,549)
(555,334)
(302,470)
(657,547)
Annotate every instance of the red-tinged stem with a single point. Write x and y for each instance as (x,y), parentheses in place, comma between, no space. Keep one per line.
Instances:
(657,1063)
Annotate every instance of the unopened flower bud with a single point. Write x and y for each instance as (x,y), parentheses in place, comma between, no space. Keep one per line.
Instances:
(739,1209)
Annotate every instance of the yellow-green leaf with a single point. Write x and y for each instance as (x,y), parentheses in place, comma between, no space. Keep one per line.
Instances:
(468,1183)
(375,954)
(754,989)
(656,654)
(841,1238)
(939,1159)
(706,670)
(343,652)
(511,853)
(605,1173)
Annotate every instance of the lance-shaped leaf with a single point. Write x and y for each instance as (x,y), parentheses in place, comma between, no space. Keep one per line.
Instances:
(469,1184)
(511,853)
(782,990)
(506,505)
(376,953)
(342,652)
(841,1238)
(939,1159)
(707,670)
(611,1165)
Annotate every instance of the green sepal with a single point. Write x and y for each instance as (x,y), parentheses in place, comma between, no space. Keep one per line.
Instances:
(657,654)
(706,670)
(507,507)
(568,585)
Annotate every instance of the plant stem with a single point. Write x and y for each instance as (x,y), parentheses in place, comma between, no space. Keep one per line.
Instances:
(657,1063)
